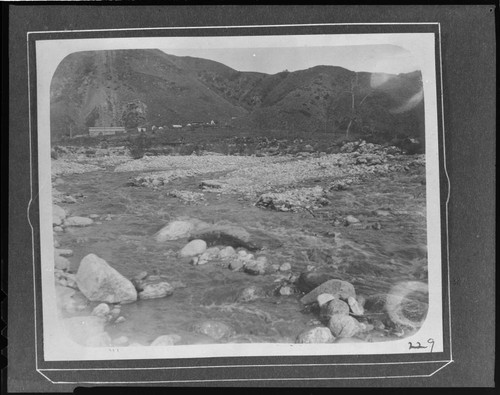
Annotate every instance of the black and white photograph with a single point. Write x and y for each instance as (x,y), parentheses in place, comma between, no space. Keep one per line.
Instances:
(239,195)
(256,196)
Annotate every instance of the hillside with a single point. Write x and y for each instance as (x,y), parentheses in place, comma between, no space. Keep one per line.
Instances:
(94,88)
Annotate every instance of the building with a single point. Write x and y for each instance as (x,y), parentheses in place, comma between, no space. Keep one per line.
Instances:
(105,130)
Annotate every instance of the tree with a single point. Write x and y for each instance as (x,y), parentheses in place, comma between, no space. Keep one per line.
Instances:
(134,114)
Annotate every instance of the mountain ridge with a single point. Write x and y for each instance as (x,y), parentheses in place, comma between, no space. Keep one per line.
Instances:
(95,88)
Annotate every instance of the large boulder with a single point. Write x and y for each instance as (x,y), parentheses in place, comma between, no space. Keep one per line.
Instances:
(78,221)
(338,288)
(99,282)
(174,230)
(193,248)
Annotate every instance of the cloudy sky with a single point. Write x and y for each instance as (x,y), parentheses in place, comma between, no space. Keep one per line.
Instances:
(384,58)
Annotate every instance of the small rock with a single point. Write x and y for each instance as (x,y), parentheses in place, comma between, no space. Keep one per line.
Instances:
(237,264)
(61,263)
(343,325)
(242,253)
(194,260)
(58,229)
(101,310)
(195,247)
(78,221)
(285,267)
(310,268)
(56,244)
(68,199)
(114,313)
(255,267)
(165,340)
(108,218)
(94,216)
(63,252)
(119,320)
(286,290)
(154,291)
(319,334)
(323,299)
(120,341)
(58,214)
(351,220)
(209,255)
(377,226)
(334,307)
(214,329)
(275,267)
(338,288)
(227,252)
(356,308)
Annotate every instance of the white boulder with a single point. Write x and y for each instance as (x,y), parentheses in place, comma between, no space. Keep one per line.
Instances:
(193,248)
(174,230)
(99,282)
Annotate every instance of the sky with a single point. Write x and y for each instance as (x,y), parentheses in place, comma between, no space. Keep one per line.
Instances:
(383,58)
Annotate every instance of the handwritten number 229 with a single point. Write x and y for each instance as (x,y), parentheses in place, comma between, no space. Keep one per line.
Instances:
(418,345)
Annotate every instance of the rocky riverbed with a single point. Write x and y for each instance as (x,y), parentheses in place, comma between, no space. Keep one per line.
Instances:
(309,247)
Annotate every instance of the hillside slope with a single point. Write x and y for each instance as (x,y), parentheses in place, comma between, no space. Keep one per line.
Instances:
(94,88)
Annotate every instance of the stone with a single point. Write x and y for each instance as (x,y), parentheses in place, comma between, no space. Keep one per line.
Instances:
(209,255)
(334,307)
(68,199)
(236,265)
(250,293)
(99,282)
(351,220)
(255,268)
(356,308)
(286,290)
(343,325)
(101,310)
(215,329)
(319,334)
(56,244)
(166,340)
(323,299)
(63,252)
(58,229)
(78,221)
(94,216)
(174,230)
(121,341)
(377,226)
(275,267)
(119,320)
(81,329)
(154,291)
(227,252)
(58,214)
(61,263)
(307,281)
(338,288)
(193,248)
(285,267)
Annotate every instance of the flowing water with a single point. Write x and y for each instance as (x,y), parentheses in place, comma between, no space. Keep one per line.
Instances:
(372,260)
